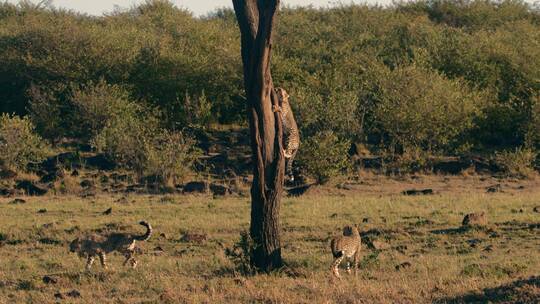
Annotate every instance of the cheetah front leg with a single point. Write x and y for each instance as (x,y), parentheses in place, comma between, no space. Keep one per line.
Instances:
(335,266)
(89,262)
(276,108)
(128,255)
(130,259)
(348,269)
(356,260)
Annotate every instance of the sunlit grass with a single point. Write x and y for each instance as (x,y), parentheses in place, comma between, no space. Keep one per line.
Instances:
(445,262)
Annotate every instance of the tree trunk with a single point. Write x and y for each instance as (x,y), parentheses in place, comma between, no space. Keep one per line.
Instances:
(256,20)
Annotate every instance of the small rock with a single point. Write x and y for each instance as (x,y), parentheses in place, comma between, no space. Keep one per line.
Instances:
(59,296)
(488,248)
(47,225)
(7,174)
(107,212)
(74,294)
(158,250)
(494,188)
(418,192)
(402,248)
(30,188)
(365,220)
(87,183)
(379,245)
(49,280)
(17,201)
(194,238)
(475,219)
(474,242)
(333,215)
(200,187)
(42,211)
(536,209)
(534,226)
(122,200)
(219,190)
(403,266)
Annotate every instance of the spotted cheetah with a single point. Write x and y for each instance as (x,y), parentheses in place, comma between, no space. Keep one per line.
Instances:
(347,246)
(99,245)
(291,136)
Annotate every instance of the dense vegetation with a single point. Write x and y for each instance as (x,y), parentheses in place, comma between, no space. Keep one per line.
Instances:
(411,81)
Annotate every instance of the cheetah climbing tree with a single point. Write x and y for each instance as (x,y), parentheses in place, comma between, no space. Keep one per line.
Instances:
(256,19)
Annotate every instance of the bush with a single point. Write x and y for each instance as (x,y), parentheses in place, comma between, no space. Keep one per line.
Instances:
(94,105)
(170,156)
(125,138)
(533,128)
(518,163)
(48,113)
(419,108)
(324,156)
(134,140)
(19,144)
(241,254)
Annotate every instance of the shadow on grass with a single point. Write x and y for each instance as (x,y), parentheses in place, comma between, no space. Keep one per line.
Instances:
(464,229)
(451,231)
(521,291)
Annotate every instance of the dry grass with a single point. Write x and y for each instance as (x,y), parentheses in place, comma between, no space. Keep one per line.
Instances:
(447,264)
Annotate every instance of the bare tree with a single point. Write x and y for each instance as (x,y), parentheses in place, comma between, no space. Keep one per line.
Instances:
(256,19)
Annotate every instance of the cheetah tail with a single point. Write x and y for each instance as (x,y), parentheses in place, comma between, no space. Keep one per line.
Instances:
(148,233)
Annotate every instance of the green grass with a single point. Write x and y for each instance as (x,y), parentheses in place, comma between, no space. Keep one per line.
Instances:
(446,263)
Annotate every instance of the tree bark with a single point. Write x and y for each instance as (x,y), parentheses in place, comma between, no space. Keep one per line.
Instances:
(256,19)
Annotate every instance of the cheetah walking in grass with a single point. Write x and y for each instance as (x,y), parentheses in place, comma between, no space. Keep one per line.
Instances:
(346,246)
(291,136)
(94,246)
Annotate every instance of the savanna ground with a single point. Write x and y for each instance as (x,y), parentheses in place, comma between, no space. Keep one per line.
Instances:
(499,263)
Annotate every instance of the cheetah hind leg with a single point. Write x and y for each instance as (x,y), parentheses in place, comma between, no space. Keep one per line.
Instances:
(103,260)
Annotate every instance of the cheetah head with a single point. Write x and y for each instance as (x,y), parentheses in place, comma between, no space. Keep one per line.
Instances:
(75,245)
(282,94)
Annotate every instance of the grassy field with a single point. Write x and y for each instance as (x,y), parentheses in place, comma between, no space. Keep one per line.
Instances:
(447,264)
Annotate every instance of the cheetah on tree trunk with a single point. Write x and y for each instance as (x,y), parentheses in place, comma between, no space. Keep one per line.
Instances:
(346,246)
(291,136)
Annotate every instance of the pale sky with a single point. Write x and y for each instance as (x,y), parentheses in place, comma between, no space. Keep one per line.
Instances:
(199,7)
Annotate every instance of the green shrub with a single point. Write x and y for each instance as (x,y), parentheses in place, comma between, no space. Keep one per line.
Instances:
(533,128)
(94,105)
(517,163)
(48,113)
(170,156)
(135,140)
(324,155)
(419,108)
(125,138)
(19,144)
(241,254)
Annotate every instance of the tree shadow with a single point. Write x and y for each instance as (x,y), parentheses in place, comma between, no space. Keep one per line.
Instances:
(451,231)
(520,291)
